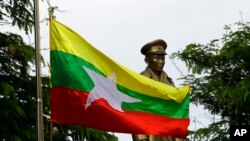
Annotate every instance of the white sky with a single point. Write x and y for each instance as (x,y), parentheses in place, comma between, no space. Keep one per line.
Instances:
(119,28)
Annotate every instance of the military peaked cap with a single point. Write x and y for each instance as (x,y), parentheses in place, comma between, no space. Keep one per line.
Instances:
(160,48)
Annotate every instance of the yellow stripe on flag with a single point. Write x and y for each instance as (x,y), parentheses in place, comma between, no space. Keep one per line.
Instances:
(70,42)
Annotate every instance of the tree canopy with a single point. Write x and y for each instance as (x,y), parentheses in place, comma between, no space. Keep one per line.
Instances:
(220,78)
(17,13)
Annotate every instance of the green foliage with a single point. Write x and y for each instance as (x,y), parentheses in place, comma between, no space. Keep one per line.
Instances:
(17,12)
(221,76)
(209,133)
(17,89)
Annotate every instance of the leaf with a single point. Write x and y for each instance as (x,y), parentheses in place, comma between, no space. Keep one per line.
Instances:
(6,89)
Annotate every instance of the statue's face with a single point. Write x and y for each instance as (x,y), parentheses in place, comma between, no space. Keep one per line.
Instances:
(156,62)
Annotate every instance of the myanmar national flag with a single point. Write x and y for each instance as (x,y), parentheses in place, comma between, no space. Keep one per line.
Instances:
(91,90)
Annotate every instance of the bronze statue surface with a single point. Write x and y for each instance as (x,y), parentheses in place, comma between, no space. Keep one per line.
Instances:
(155,58)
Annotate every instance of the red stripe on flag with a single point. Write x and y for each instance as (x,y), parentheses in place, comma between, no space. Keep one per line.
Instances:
(68,107)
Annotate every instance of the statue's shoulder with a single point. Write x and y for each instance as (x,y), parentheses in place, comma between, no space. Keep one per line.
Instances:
(170,80)
(146,72)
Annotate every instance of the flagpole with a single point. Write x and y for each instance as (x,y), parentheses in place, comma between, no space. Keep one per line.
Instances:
(39,125)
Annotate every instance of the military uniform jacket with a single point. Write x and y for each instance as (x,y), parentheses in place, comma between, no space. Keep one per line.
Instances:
(164,78)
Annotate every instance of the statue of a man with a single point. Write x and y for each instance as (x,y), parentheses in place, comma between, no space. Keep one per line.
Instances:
(155,58)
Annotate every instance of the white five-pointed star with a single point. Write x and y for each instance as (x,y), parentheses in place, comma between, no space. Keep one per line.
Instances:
(106,88)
